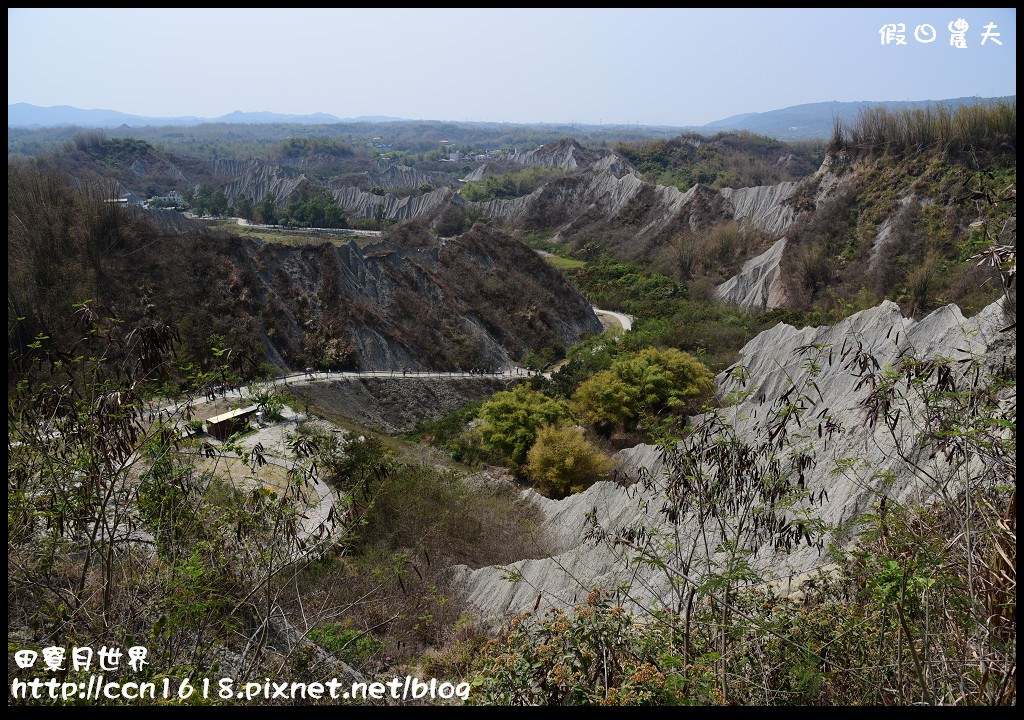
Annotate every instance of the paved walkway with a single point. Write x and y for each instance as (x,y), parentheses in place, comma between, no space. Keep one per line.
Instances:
(624,321)
(319,376)
(304,378)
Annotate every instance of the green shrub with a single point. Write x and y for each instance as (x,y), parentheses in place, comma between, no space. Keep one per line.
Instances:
(348,643)
(562,462)
(512,419)
(510,185)
(647,384)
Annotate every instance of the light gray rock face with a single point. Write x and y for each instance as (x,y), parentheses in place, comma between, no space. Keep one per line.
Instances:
(565,154)
(756,285)
(605,188)
(775,360)
(361,204)
(477,175)
(143,169)
(603,185)
(254,179)
(763,206)
(257,178)
(402,177)
(224,167)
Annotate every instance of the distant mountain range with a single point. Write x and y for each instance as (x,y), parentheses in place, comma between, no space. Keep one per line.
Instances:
(799,122)
(814,120)
(26,115)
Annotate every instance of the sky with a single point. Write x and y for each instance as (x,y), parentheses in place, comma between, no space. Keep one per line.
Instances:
(648,66)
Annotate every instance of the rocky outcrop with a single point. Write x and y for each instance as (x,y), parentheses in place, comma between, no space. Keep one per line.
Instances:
(610,194)
(604,188)
(361,204)
(849,465)
(397,406)
(257,179)
(566,154)
(226,167)
(764,206)
(479,174)
(476,300)
(152,166)
(757,283)
(604,191)
(401,177)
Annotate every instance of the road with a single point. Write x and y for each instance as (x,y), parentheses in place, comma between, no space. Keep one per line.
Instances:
(304,378)
(334,231)
(610,318)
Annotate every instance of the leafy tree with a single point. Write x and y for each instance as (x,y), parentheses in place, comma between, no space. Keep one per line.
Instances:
(562,462)
(268,402)
(268,209)
(92,468)
(584,360)
(352,460)
(593,653)
(218,203)
(203,200)
(334,216)
(512,419)
(244,208)
(649,383)
(314,209)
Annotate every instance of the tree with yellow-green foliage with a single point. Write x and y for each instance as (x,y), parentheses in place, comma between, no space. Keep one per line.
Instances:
(648,383)
(511,420)
(562,462)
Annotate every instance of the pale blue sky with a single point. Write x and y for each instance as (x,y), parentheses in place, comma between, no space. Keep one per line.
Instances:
(671,67)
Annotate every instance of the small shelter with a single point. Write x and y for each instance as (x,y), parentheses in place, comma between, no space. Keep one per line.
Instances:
(227,424)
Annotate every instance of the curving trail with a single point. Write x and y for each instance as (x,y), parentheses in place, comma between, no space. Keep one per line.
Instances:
(624,321)
(334,231)
(304,378)
(319,521)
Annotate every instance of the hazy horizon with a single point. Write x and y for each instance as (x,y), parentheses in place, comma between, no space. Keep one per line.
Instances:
(649,67)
